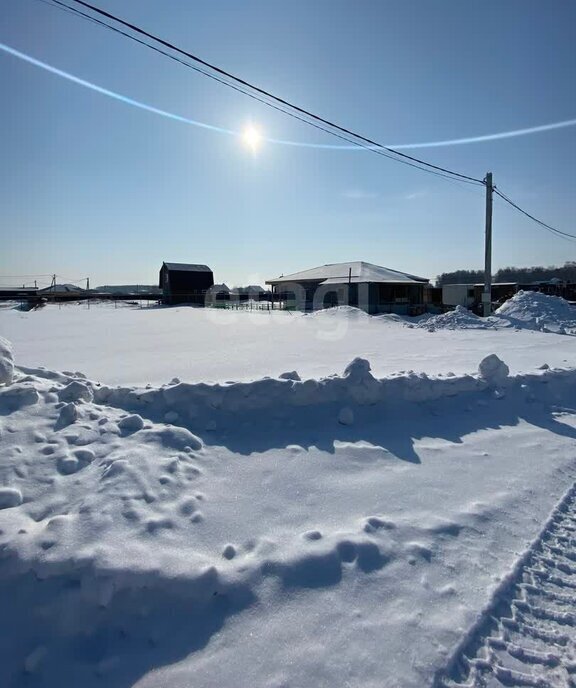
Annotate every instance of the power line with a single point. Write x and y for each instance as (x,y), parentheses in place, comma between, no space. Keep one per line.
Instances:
(548,227)
(368,144)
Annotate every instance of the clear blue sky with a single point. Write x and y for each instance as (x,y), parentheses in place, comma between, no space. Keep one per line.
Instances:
(92,186)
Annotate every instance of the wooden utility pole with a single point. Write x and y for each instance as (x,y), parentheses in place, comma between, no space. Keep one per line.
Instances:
(487,294)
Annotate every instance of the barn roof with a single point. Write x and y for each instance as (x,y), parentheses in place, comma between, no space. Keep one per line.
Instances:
(187,267)
(338,273)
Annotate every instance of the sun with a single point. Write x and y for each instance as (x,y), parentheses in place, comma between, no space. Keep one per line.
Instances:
(252,138)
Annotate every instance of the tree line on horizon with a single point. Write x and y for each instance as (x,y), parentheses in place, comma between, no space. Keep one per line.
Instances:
(537,273)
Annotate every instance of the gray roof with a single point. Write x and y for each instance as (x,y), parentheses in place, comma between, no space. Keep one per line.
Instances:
(360,271)
(61,289)
(187,267)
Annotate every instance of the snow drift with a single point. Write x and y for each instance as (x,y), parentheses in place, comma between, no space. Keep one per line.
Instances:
(535,311)
(458,319)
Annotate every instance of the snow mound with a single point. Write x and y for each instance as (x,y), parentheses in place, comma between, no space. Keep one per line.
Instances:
(6,362)
(535,311)
(458,319)
(339,312)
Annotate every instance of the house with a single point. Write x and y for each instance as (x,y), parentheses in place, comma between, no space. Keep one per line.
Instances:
(62,290)
(13,293)
(252,292)
(372,288)
(219,292)
(185,283)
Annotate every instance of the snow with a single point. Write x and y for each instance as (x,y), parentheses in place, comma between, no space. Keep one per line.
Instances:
(536,311)
(356,272)
(493,370)
(458,319)
(9,497)
(320,517)
(6,362)
(132,346)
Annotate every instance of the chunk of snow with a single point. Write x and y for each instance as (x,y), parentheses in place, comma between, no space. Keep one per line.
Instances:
(291,375)
(75,391)
(131,423)
(68,415)
(17,396)
(358,369)
(493,370)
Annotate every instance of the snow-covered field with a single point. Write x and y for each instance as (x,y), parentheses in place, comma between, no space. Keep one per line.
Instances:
(153,345)
(343,526)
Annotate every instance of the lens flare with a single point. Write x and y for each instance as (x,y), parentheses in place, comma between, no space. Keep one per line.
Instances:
(252,138)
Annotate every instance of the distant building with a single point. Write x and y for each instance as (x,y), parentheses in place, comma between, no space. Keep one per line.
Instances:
(13,293)
(250,289)
(64,289)
(372,288)
(470,295)
(252,292)
(218,292)
(185,283)
(220,288)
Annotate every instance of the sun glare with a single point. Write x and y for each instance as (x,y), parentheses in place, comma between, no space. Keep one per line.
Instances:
(252,138)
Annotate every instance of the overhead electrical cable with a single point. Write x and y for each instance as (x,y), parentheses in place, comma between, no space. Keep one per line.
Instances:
(186,120)
(59,4)
(368,143)
(284,106)
(534,219)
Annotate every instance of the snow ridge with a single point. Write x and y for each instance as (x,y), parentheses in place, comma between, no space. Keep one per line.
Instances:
(201,406)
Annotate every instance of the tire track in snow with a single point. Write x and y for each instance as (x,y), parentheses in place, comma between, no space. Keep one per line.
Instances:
(527,635)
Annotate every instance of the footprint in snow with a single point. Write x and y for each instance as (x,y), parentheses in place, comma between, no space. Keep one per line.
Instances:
(374,523)
(312,535)
(229,552)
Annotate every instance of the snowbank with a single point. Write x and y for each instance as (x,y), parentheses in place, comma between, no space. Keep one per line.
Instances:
(205,406)
(224,407)
(6,362)
(338,312)
(535,311)
(525,310)
(458,319)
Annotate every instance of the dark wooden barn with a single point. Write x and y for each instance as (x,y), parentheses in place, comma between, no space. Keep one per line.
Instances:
(185,283)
